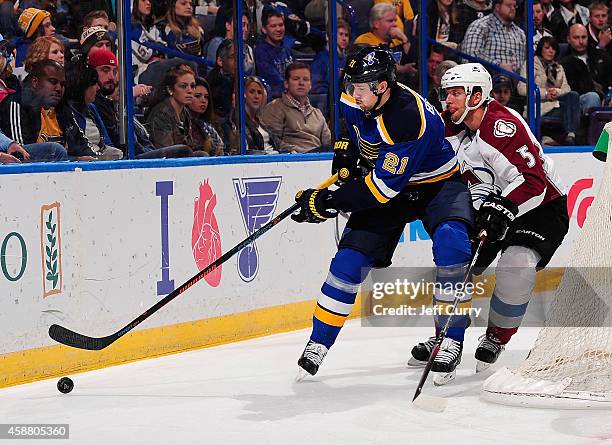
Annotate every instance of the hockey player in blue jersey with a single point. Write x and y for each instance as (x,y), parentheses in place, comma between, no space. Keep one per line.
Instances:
(412,173)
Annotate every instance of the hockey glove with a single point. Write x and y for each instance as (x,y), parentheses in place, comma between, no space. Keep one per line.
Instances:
(345,161)
(495,216)
(313,206)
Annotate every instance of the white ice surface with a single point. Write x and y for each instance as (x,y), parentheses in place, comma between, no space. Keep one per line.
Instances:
(244,393)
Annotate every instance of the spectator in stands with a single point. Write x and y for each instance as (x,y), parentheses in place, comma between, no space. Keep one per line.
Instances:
(557,100)
(442,20)
(299,125)
(105,63)
(96,38)
(600,34)
(502,89)
(538,23)
(201,110)
(496,38)
(44,48)
(259,138)
(568,13)
(182,31)
(248,59)
(8,20)
(168,118)
(9,83)
(588,70)
(144,30)
(320,65)
(98,18)
(469,11)
(384,31)
(33,23)
(403,9)
(81,89)
(271,56)
(548,9)
(296,28)
(434,87)
(221,79)
(435,57)
(80,8)
(32,121)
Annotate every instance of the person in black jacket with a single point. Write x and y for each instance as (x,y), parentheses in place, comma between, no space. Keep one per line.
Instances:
(588,70)
(32,117)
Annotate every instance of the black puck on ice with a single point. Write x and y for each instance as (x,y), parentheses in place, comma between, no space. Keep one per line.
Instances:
(65,385)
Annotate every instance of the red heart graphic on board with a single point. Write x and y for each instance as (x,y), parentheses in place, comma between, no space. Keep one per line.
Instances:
(205,237)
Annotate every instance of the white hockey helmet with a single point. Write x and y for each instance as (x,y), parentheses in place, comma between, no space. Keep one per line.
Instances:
(468,76)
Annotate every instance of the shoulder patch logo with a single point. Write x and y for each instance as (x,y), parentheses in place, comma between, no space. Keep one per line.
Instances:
(504,129)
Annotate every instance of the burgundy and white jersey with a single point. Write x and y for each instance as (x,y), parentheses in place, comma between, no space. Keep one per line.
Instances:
(504,155)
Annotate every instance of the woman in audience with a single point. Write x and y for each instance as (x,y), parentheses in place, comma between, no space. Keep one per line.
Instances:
(46,47)
(81,88)
(201,111)
(442,21)
(144,30)
(556,97)
(183,31)
(168,119)
(259,138)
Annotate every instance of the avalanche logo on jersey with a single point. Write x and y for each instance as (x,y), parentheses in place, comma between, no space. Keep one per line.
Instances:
(480,182)
(504,129)
(257,198)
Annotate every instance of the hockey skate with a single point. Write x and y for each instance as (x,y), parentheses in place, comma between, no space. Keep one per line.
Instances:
(311,359)
(421,352)
(446,361)
(487,352)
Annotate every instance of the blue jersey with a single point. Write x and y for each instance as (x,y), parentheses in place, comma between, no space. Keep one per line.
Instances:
(405,144)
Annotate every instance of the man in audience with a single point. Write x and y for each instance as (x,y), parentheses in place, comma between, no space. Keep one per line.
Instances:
(538,23)
(600,35)
(434,87)
(588,69)
(215,42)
(496,38)
(105,63)
(568,14)
(221,80)
(469,11)
(271,56)
(299,125)
(384,31)
(95,37)
(30,120)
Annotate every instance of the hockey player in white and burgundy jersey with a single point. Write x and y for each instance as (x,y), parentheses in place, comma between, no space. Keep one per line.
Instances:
(516,193)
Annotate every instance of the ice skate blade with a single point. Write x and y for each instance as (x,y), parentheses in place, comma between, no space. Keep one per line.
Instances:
(301,375)
(481,366)
(443,378)
(414,363)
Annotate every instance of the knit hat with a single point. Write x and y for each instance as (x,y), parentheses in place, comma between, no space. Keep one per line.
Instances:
(102,57)
(30,20)
(93,35)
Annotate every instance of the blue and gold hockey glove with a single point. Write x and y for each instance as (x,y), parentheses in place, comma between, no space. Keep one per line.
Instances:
(314,206)
(495,216)
(345,161)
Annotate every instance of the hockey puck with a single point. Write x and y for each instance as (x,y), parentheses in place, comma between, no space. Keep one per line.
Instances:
(65,385)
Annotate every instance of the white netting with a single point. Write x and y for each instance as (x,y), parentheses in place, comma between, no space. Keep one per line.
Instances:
(572,356)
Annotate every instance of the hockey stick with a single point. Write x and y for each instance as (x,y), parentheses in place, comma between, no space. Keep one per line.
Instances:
(76,340)
(432,403)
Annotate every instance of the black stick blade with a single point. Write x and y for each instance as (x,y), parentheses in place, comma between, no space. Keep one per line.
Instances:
(70,338)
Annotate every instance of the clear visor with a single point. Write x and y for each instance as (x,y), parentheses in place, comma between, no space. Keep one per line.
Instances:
(360,89)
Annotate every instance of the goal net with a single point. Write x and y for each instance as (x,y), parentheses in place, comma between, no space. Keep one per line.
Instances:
(570,364)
